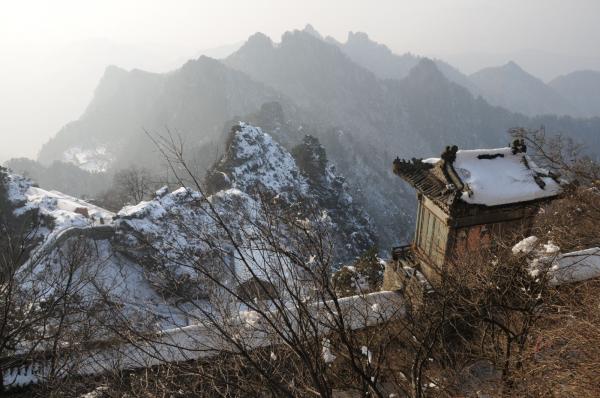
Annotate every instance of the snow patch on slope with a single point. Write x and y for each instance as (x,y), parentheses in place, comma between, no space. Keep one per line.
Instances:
(103,273)
(560,267)
(96,160)
(255,162)
(263,162)
(182,228)
(64,211)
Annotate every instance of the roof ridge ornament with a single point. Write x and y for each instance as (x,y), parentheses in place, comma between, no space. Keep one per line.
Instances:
(448,158)
(518,146)
(449,154)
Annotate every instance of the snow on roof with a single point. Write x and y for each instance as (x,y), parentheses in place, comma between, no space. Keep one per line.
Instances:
(497,176)
(431,160)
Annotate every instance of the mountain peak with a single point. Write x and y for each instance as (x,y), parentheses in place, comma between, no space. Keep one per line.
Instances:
(114,70)
(360,37)
(256,162)
(201,60)
(202,64)
(259,40)
(312,31)
(301,36)
(513,66)
(509,69)
(513,88)
(426,72)
(426,66)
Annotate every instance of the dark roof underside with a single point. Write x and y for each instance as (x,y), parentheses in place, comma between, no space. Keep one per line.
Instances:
(420,175)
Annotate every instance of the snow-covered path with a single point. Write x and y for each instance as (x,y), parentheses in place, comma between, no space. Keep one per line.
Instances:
(204,341)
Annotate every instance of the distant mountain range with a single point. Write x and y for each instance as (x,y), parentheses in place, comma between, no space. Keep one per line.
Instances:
(582,89)
(508,86)
(545,65)
(365,104)
(380,60)
(511,87)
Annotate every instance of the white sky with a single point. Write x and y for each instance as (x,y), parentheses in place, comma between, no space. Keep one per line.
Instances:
(441,26)
(36,41)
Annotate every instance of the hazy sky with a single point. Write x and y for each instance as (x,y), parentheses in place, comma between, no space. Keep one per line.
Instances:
(52,52)
(569,27)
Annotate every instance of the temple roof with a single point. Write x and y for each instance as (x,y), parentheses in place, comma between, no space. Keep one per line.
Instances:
(489,177)
(422,176)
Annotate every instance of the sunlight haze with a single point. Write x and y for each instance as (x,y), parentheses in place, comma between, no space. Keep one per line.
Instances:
(54,52)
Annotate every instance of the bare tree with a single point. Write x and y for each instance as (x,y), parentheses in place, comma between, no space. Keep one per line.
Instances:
(560,154)
(253,278)
(41,310)
(281,328)
(134,183)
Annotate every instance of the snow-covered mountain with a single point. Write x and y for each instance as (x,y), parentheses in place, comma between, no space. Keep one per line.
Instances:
(70,247)
(257,165)
(144,255)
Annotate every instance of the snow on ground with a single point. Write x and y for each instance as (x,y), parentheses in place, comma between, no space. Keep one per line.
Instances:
(328,356)
(202,340)
(575,266)
(171,221)
(66,210)
(497,177)
(16,186)
(62,210)
(180,225)
(176,225)
(161,205)
(561,268)
(526,245)
(104,271)
(127,283)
